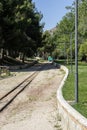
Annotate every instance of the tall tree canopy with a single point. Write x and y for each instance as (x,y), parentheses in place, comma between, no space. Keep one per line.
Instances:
(66,28)
(20,28)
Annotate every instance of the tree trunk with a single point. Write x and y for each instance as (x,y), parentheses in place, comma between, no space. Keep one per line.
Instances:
(2,54)
(86,58)
(23,57)
(67,59)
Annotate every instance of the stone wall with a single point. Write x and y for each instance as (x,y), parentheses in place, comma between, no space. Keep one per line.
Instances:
(70,118)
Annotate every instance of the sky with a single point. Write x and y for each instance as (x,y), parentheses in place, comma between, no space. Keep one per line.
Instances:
(52,10)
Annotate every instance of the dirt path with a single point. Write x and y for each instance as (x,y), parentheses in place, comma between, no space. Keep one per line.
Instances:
(36,107)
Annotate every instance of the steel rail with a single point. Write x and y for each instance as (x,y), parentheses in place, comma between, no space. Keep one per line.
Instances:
(15,88)
(10,96)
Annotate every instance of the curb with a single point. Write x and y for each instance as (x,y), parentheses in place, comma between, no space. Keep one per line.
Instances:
(70,118)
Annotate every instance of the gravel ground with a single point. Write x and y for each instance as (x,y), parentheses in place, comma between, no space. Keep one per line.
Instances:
(36,107)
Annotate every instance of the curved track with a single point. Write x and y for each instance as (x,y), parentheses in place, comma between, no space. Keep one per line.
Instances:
(6,99)
(11,95)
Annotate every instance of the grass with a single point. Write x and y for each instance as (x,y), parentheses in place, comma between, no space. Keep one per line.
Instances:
(69,88)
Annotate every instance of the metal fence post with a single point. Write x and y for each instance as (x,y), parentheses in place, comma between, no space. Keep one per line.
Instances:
(76,51)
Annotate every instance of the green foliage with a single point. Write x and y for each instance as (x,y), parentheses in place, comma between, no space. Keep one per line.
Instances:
(57,42)
(1,7)
(48,44)
(56,54)
(83,18)
(62,34)
(65,28)
(20,26)
(83,51)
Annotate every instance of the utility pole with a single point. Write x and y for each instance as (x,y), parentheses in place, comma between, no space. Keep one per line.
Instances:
(71,52)
(76,51)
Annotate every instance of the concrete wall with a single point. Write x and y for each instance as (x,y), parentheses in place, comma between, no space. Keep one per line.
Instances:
(70,118)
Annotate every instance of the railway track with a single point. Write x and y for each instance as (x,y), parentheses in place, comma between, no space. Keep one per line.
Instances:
(6,99)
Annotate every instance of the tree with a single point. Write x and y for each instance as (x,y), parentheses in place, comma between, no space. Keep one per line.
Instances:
(48,44)
(83,51)
(62,33)
(20,27)
(83,20)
